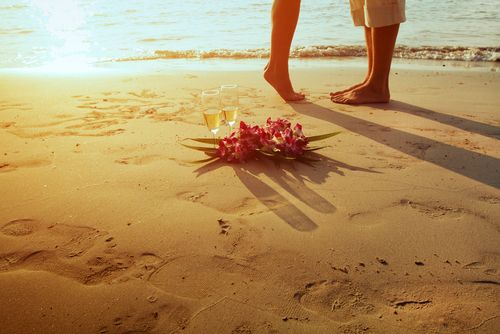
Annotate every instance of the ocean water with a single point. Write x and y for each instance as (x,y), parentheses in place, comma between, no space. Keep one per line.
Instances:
(41,32)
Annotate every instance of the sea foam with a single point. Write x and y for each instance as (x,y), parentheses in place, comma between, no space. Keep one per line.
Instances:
(454,53)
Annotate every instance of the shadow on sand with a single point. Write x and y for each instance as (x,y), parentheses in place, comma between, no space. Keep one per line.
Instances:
(291,177)
(474,165)
(455,121)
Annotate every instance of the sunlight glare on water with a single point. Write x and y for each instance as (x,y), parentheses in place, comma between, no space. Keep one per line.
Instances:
(64,22)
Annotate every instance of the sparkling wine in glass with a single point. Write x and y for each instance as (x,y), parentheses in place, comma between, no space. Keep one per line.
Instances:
(230,103)
(211,108)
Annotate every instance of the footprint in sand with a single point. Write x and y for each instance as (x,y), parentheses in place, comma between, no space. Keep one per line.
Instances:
(106,267)
(244,328)
(79,252)
(242,206)
(432,210)
(440,307)
(147,265)
(20,227)
(65,240)
(436,209)
(490,199)
(39,245)
(488,264)
(338,300)
(111,267)
(174,316)
(354,328)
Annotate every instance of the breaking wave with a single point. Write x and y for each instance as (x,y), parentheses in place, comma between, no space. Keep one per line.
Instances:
(484,54)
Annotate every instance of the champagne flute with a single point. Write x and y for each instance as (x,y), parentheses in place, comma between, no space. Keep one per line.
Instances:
(230,104)
(210,106)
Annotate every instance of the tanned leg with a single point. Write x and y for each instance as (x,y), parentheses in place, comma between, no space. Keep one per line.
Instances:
(376,88)
(285,15)
(369,53)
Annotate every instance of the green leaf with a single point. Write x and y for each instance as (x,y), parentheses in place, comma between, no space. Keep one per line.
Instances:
(321,137)
(267,154)
(209,150)
(276,155)
(312,149)
(212,141)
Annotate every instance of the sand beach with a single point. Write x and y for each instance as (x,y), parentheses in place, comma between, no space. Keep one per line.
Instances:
(107,225)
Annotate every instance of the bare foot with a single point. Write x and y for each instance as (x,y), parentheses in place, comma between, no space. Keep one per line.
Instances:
(362,95)
(348,89)
(282,84)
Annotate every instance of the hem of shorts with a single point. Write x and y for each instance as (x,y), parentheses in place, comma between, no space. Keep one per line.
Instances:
(380,16)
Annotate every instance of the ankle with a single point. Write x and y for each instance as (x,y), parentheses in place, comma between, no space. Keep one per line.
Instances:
(275,67)
(377,87)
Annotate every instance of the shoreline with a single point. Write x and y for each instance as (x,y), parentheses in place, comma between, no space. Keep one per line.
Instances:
(216,64)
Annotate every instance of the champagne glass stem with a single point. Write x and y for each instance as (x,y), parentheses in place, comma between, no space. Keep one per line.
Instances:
(214,133)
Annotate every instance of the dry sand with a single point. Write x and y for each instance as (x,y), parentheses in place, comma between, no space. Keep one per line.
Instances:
(106,226)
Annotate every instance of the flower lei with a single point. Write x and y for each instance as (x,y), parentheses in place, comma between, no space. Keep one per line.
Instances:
(275,139)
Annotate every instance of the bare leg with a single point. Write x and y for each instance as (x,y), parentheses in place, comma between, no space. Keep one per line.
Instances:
(369,52)
(376,88)
(285,15)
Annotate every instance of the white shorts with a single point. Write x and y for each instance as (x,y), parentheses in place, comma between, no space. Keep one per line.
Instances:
(377,13)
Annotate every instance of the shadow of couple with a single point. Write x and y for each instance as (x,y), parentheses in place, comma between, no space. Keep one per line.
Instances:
(293,178)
